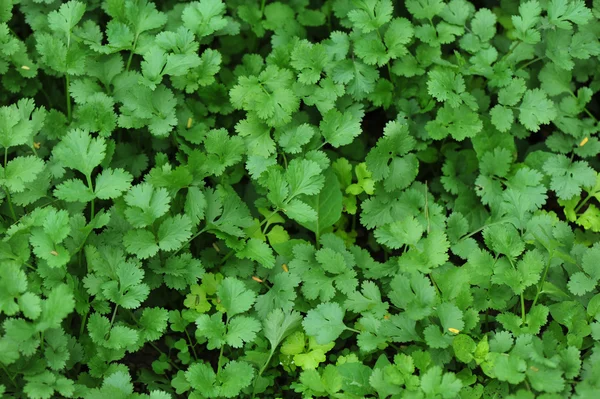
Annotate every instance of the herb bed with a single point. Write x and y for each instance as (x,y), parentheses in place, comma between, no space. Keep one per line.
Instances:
(267,199)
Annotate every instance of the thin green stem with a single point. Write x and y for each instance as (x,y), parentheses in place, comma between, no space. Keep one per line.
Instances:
(471,234)
(541,284)
(522,308)
(435,285)
(582,203)
(530,62)
(228,255)
(509,52)
(112,319)
(68,95)
(590,114)
(353,330)
(389,69)
(262,7)
(191,345)
(152,344)
(27,265)
(131,52)
(522,297)
(10,377)
(221,351)
(264,367)
(192,238)
(14,33)
(10,205)
(262,370)
(584,109)
(8,199)
(47,97)
(83,322)
(91,187)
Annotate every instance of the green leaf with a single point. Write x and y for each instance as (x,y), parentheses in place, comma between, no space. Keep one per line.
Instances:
(371,14)
(154,323)
(367,301)
(55,308)
(512,93)
(562,13)
(398,34)
(327,204)
(204,17)
(173,232)
(195,204)
(464,347)
(300,211)
(68,15)
(446,385)
(30,305)
(111,183)
(13,284)
(20,171)
(141,243)
(407,231)
(292,140)
(310,60)
(536,109)
(525,273)
(446,86)
(146,204)
(451,317)
(236,376)
(242,329)
(212,328)
(504,239)
(258,251)
(424,9)
(460,123)
(341,129)
(201,376)
(234,296)
(20,122)
(79,151)
(568,177)
(74,190)
(325,322)
(483,24)
(304,177)
(278,325)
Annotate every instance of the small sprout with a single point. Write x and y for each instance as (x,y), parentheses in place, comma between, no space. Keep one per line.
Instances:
(258,280)
(189,123)
(285,268)
(25,67)
(533,368)
(37,145)
(54,253)
(387,317)
(453,330)
(584,141)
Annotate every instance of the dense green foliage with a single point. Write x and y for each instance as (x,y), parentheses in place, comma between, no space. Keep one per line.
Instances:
(342,198)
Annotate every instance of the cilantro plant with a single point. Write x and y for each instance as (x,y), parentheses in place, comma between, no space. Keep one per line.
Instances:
(268,199)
